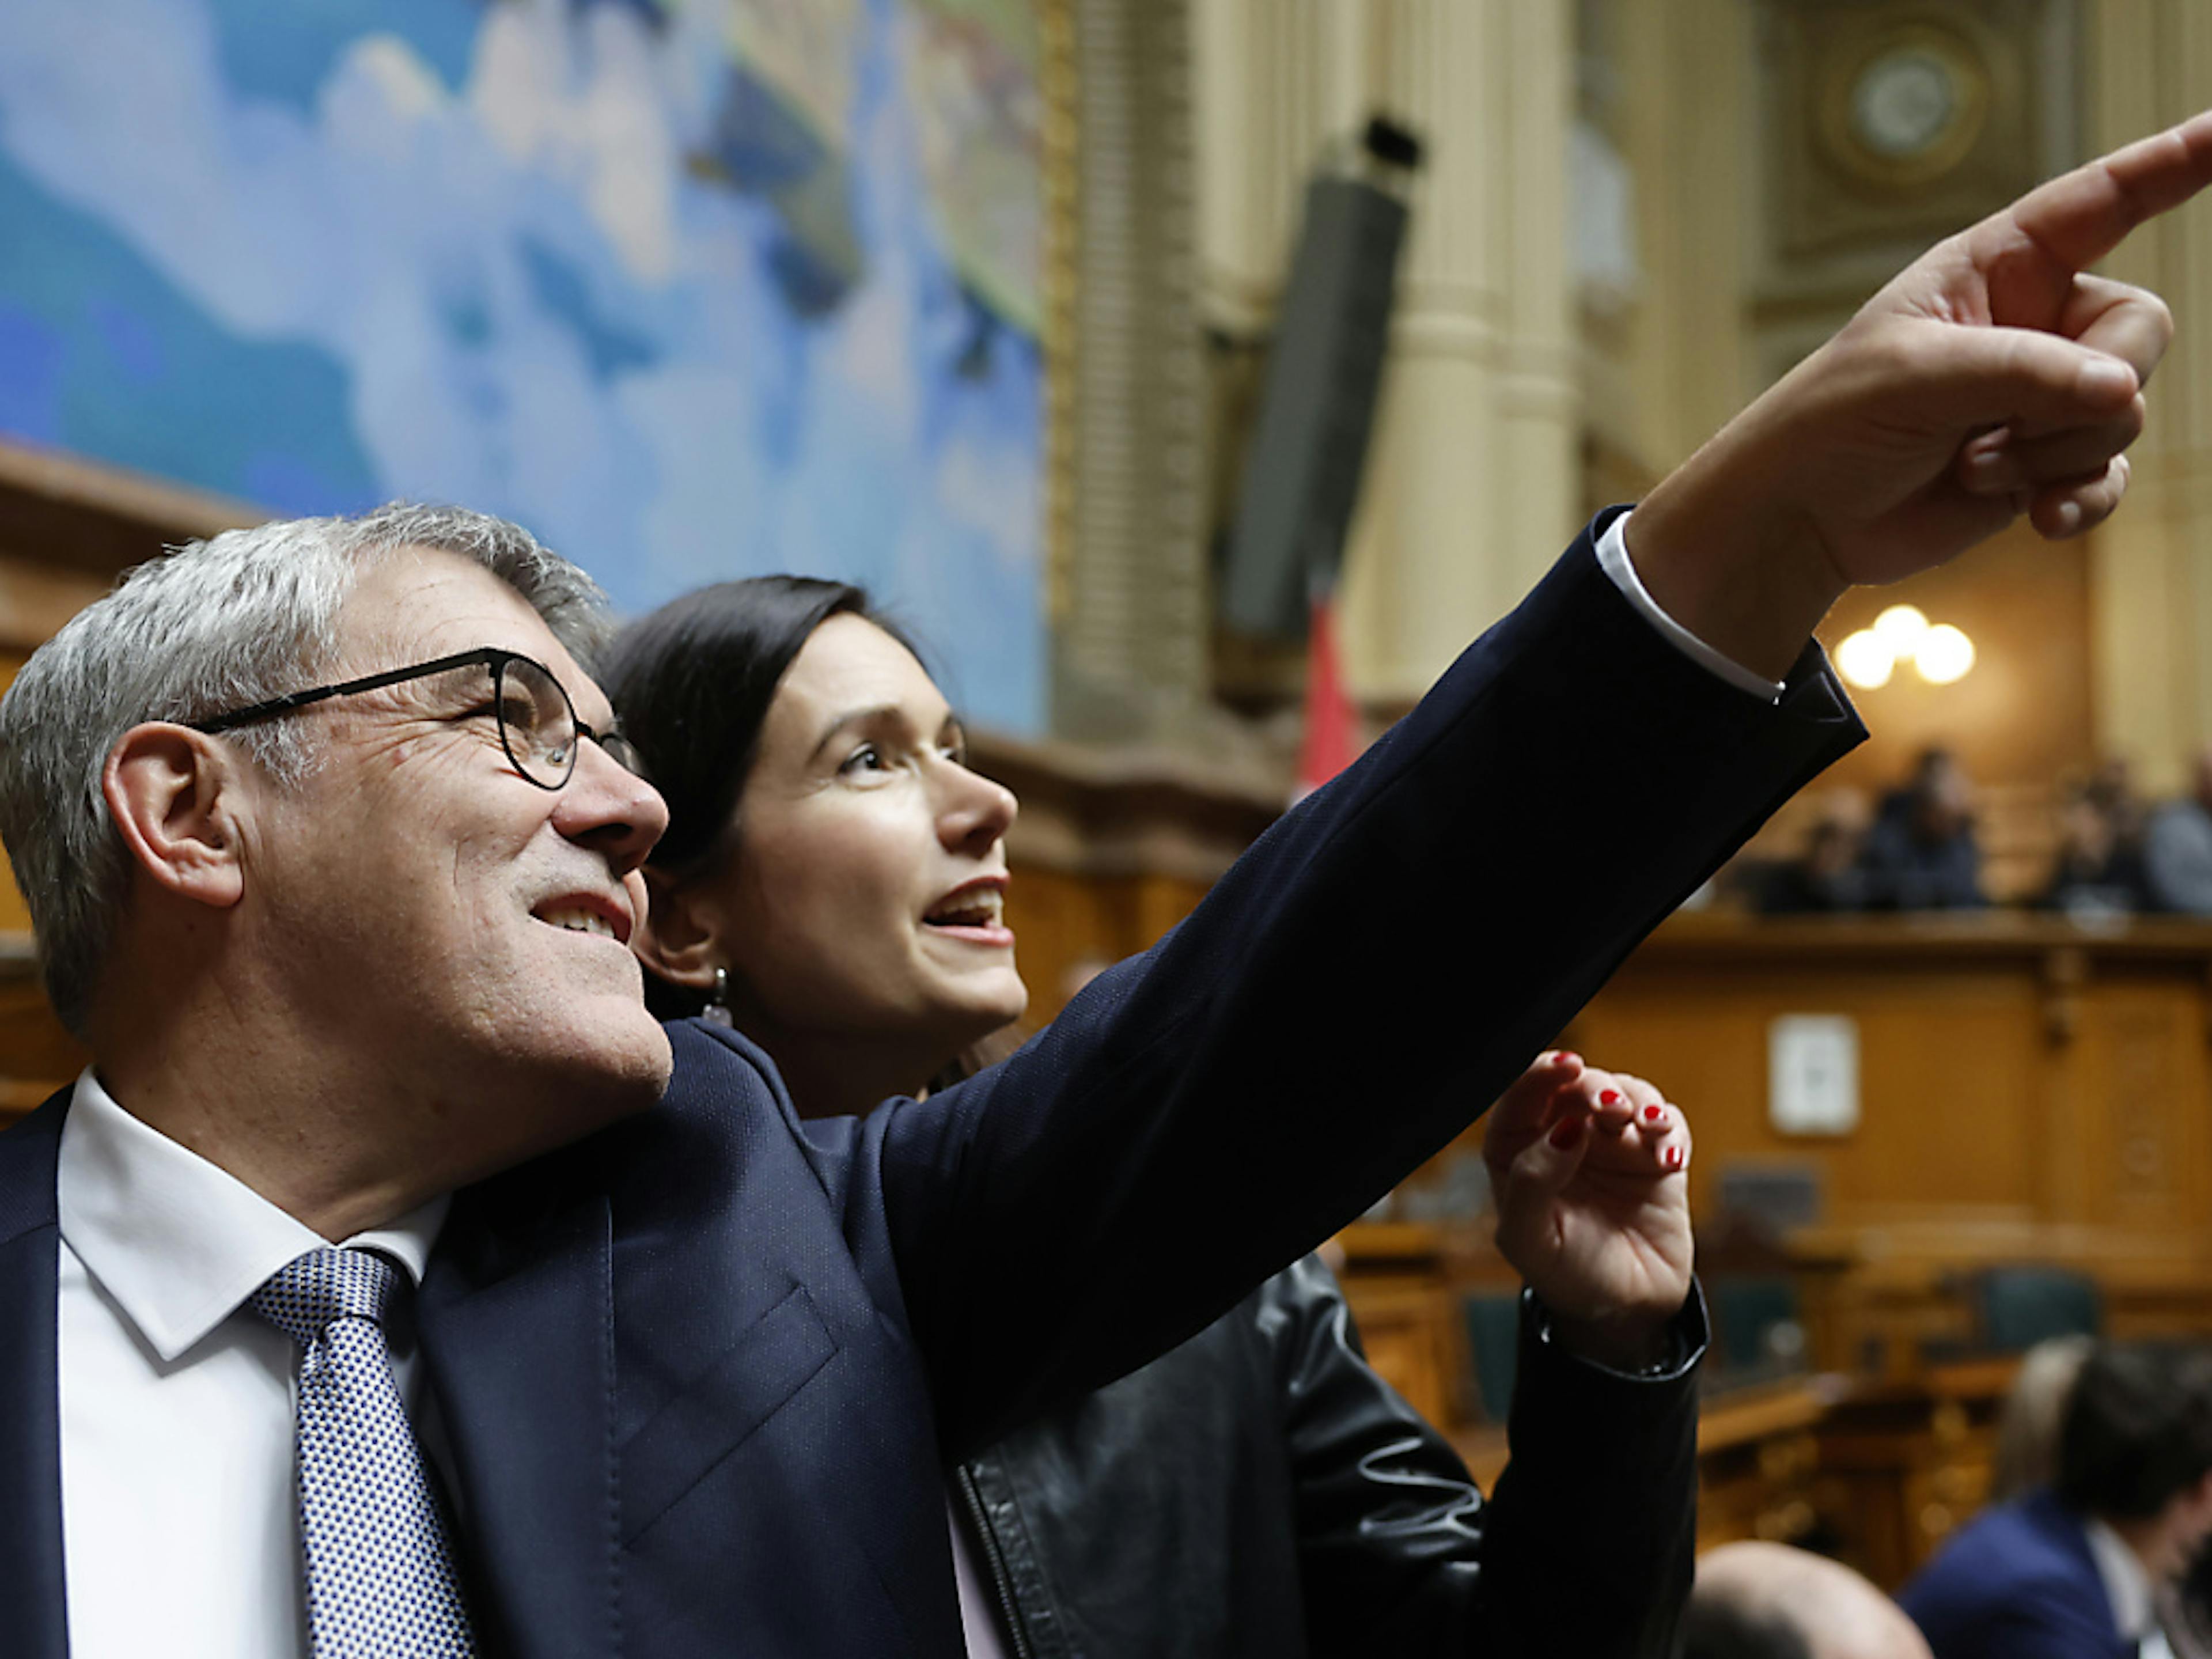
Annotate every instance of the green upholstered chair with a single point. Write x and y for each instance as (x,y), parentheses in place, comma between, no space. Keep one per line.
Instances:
(2017,1307)
(1493,1342)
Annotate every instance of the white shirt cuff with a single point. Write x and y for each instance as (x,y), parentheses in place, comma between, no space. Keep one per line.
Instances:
(1613,559)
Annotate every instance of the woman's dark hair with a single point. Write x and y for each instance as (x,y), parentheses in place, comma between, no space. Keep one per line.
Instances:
(692,684)
(2137,1430)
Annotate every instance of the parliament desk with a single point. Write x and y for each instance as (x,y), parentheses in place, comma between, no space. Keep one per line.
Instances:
(1876,1472)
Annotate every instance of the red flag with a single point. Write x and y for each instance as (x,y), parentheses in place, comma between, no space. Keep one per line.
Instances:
(1329,746)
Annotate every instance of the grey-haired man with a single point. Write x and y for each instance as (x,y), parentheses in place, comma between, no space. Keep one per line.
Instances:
(337,959)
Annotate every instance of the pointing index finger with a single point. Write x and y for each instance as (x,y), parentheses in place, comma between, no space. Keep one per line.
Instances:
(2079,218)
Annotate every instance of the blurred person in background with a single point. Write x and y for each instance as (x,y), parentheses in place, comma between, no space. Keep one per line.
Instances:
(2034,1408)
(1760,1601)
(1828,875)
(2112,789)
(2078,1570)
(2177,846)
(2100,869)
(1921,854)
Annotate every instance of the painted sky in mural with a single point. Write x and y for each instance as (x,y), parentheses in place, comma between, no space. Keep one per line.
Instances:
(694,290)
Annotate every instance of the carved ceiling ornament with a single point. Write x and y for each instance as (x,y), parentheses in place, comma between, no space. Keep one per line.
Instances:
(1880,125)
(1890,122)
(1907,105)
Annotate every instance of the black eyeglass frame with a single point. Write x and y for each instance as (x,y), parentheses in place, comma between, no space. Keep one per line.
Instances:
(617,747)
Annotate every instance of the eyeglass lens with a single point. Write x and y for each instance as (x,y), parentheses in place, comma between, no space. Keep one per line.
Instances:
(537,722)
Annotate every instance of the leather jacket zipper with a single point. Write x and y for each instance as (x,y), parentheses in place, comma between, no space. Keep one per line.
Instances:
(995,1557)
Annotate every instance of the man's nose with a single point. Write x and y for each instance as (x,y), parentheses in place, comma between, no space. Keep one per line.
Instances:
(608,808)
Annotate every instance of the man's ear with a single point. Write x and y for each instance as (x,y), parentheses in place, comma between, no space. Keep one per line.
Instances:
(175,794)
(679,937)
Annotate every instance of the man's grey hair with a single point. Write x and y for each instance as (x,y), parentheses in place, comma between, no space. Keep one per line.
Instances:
(215,625)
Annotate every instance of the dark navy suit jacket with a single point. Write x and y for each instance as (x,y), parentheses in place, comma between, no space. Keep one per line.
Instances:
(2017,1581)
(700,1373)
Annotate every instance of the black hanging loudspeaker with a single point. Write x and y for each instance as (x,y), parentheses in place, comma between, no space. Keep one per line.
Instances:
(1309,445)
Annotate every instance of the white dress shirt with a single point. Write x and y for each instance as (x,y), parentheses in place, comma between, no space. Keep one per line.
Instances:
(180,1531)
(1613,559)
(2128,1586)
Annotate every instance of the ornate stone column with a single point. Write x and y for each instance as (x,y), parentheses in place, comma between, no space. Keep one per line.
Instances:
(2148,63)
(1125,444)
(1471,486)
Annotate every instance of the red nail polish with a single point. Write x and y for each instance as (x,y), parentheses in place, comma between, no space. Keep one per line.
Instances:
(1568,1131)
(1653,1114)
(1674,1157)
(1608,1097)
(1568,1057)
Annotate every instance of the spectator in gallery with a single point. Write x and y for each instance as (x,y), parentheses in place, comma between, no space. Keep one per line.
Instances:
(1921,854)
(1760,1601)
(2099,868)
(1827,876)
(2079,1568)
(2177,846)
(2112,789)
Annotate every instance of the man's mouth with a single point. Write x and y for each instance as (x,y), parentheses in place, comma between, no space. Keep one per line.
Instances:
(577,915)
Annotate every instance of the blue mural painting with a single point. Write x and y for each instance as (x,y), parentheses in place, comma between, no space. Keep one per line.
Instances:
(695,288)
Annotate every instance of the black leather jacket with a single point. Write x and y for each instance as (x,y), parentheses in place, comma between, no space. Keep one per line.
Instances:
(1261,1491)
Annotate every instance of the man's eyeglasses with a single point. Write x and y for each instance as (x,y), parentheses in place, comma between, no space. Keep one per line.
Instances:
(538,723)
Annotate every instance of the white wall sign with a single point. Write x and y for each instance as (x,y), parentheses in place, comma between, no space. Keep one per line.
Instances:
(1813,1074)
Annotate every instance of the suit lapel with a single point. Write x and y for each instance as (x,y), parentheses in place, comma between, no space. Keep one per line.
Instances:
(517,1324)
(31,1582)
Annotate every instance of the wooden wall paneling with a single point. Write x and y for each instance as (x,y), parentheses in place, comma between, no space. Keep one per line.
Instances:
(59,513)
(1992,1050)
(14,915)
(1160,901)
(2143,1150)
(37,1056)
(1948,1079)
(1407,1329)
(1058,918)
(1068,925)
(1112,849)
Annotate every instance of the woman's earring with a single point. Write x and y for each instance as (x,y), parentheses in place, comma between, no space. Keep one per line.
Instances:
(717,1011)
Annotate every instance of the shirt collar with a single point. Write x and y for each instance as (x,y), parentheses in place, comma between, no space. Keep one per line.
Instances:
(176,1241)
(2126,1584)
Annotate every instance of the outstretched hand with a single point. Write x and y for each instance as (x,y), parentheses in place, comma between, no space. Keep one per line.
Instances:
(1589,1170)
(1992,378)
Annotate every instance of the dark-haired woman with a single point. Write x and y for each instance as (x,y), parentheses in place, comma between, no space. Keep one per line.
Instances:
(831,884)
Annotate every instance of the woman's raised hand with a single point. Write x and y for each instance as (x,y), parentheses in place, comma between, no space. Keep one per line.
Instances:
(1590,1171)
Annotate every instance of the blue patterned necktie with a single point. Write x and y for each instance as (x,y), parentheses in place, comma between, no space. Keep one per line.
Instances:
(380,1577)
